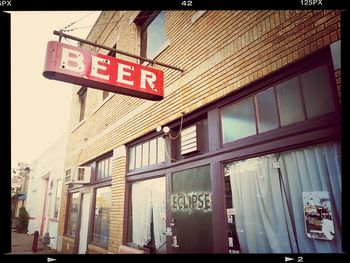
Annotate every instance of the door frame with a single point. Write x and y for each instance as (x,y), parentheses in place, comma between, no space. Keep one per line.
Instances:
(81,218)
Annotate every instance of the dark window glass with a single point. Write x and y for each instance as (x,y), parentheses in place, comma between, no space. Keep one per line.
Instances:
(289,101)
(153,35)
(82,100)
(101,216)
(317,92)
(73,214)
(239,120)
(266,110)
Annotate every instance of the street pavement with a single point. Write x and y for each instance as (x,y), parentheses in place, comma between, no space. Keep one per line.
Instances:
(22,244)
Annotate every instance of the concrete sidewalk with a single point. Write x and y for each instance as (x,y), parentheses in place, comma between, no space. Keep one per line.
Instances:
(22,244)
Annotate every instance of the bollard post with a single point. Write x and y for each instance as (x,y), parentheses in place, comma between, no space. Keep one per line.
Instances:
(35,241)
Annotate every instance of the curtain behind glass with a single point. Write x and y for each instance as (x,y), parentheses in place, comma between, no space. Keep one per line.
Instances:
(263,220)
(158,205)
(315,168)
(260,222)
(148,198)
(141,213)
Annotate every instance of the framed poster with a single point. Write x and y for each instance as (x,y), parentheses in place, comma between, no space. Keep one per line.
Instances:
(318,215)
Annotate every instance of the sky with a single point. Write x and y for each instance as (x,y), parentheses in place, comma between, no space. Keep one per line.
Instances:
(40,108)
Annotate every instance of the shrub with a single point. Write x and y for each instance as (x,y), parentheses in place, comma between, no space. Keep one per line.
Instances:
(23,219)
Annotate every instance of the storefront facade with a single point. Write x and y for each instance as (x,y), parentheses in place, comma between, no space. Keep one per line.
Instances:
(255,134)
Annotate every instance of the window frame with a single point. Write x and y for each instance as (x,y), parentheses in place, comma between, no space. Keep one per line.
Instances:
(95,171)
(82,94)
(143,20)
(69,198)
(290,71)
(140,143)
(92,215)
(58,196)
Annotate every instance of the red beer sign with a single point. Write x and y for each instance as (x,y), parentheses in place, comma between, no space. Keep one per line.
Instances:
(83,67)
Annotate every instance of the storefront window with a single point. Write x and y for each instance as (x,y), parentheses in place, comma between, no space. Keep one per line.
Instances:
(101,216)
(73,214)
(147,215)
(288,202)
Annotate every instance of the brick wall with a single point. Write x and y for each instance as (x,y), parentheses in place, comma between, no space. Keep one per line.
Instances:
(117,211)
(222,51)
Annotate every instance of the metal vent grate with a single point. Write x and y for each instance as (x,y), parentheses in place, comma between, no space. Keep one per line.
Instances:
(189,140)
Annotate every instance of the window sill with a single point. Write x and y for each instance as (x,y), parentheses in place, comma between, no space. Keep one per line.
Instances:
(78,125)
(158,52)
(110,95)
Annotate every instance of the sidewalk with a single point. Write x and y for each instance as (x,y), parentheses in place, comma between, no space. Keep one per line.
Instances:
(22,244)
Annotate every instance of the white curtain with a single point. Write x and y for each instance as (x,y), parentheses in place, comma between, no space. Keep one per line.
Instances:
(315,168)
(148,205)
(141,213)
(158,205)
(267,209)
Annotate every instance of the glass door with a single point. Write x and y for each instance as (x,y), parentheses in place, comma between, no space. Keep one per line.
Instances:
(191,207)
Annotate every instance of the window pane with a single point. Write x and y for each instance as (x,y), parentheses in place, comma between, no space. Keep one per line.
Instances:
(266,110)
(147,214)
(102,210)
(82,99)
(317,92)
(145,156)
(58,198)
(156,34)
(239,120)
(138,156)
(161,150)
(105,162)
(153,151)
(132,158)
(289,101)
(73,214)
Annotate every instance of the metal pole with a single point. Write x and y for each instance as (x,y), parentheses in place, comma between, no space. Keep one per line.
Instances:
(115,50)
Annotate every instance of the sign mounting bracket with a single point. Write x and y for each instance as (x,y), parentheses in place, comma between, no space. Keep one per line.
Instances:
(153,62)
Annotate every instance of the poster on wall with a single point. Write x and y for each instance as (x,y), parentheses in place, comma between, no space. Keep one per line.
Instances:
(318,215)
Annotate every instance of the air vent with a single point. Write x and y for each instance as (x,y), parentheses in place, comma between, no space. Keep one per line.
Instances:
(82,175)
(190,140)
